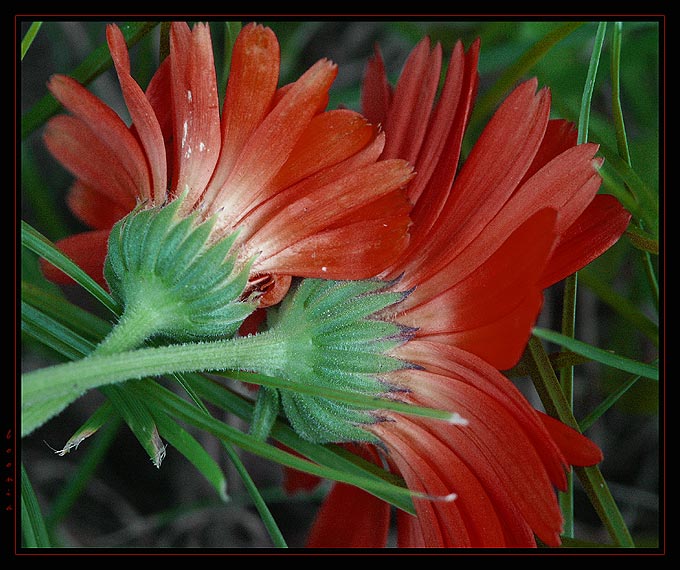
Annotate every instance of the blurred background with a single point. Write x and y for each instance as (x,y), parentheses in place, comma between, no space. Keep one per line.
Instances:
(126,502)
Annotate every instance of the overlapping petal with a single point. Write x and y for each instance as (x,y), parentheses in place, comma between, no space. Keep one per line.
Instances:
(520,214)
(274,159)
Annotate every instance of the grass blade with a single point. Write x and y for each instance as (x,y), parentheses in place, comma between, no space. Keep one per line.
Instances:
(599,355)
(33,528)
(556,405)
(36,242)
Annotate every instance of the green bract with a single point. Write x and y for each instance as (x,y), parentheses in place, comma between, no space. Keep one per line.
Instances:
(165,267)
(335,341)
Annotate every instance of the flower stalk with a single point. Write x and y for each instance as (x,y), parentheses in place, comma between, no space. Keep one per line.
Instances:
(325,344)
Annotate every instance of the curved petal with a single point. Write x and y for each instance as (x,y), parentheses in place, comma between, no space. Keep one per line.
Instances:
(196,109)
(463,366)
(596,230)
(491,311)
(358,250)
(495,448)
(95,209)
(497,163)
(90,160)
(430,467)
(159,95)
(143,117)
(577,449)
(274,139)
(367,520)
(333,204)
(376,92)
(106,126)
(437,162)
(330,138)
(409,114)
(87,250)
(253,77)
(560,135)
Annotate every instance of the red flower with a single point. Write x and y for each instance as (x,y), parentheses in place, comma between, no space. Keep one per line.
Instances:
(521,214)
(303,186)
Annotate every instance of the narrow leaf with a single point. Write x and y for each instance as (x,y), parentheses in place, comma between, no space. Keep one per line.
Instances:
(36,242)
(29,37)
(599,355)
(187,445)
(33,529)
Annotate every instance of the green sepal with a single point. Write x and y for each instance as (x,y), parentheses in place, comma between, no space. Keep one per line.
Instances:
(170,270)
(337,340)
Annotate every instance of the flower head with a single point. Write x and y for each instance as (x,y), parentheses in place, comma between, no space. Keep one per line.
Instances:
(521,213)
(304,187)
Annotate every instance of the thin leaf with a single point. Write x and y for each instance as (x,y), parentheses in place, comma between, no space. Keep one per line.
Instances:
(36,242)
(174,405)
(556,405)
(140,420)
(258,500)
(584,115)
(328,455)
(33,529)
(96,63)
(622,305)
(599,355)
(92,425)
(187,445)
(52,333)
(643,240)
(617,110)
(253,491)
(29,37)
(607,403)
(354,398)
(78,320)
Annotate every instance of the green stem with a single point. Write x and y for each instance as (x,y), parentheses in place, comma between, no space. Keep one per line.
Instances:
(566,498)
(47,391)
(262,352)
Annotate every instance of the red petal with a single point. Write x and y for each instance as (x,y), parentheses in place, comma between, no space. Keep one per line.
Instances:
(106,126)
(560,135)
(437,162)
(90,160)
(350,518)
(577,448)
(95,209)
(491,173)
(409,113)
(376,92)
(196,109)
(159,95)
(330,138)
(463,366)
(143,117)
(489,313)
(358,250)
(567,183)
(596,230)
(429,467)
(87,250)
(274,139)
(337,202)
(495,447)
(253,77)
